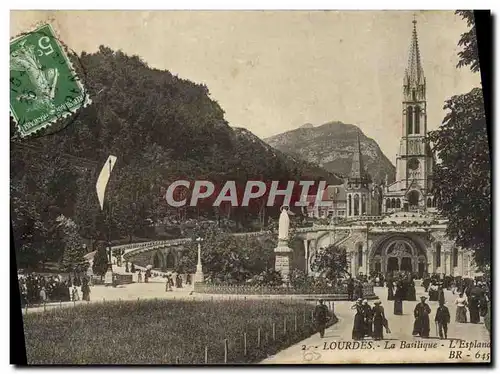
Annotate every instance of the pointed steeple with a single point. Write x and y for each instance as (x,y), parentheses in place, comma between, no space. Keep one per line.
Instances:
(414,80)
(357,168)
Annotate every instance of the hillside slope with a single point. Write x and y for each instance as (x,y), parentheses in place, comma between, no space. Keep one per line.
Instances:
(161,128)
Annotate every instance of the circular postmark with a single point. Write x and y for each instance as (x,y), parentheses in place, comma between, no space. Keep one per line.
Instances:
(47,84)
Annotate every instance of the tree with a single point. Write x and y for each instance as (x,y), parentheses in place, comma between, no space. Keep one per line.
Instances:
(462,180)
(331,262)
(469,54)
(100,265)
(226,257)
(73,260)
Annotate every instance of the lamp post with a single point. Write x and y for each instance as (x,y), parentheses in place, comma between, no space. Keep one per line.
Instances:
(199,277)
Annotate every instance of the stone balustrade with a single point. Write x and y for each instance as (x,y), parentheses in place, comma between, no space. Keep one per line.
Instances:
(328,293)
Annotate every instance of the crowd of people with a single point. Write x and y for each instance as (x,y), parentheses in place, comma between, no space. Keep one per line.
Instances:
(38,289)
(472,296)
(171,279)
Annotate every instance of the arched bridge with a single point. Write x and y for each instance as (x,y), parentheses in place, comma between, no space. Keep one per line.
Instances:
(348,233)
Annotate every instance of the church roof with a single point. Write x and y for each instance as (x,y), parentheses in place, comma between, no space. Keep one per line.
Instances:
(414,74)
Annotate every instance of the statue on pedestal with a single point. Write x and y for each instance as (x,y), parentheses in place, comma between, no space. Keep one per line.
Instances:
(283,252)
(283,225)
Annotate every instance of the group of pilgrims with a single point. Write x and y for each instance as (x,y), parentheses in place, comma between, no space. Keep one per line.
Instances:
(473,295)
(371,321)
(38,289)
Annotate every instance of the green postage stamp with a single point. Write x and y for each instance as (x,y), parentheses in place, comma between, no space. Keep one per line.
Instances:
(44,86)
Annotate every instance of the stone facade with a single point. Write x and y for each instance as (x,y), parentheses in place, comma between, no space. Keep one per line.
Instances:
(394,226)
(398,242)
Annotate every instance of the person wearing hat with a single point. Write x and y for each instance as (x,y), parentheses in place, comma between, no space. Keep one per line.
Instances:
(321,317)
(421,327)
(433,292)
(358,329)
(368,317)
(440,297)
(379,321)
(398,299)
(442,319)
(461,314)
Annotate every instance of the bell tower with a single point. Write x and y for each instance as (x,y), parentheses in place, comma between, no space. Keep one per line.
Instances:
(414,161)
(358,186)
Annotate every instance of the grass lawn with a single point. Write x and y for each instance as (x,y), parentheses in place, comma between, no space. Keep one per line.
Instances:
(165,332)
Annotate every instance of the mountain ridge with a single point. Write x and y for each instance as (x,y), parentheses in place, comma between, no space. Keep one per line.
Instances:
(331,145)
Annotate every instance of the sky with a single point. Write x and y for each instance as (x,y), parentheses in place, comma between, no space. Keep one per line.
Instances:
(273,71)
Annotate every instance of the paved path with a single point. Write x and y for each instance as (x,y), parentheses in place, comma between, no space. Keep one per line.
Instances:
(338,347)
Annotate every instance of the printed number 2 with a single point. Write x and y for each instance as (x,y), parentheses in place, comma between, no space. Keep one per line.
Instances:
(44,44)
(304,348)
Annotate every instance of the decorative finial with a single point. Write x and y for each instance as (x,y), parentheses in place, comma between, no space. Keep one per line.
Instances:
(414,18)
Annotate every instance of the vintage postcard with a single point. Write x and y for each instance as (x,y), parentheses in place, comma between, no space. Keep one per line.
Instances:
(250,187)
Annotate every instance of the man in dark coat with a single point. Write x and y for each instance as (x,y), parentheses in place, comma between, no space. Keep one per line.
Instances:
(421,326)
(442,319)
(321,317)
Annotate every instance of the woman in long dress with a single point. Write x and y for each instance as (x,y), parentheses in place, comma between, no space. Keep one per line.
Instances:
(474,309)
(412,294)
(441,298)
(390,290)
(433,292)
(398,300)
(379,321)
(368,314)
(461,315)
(358,329)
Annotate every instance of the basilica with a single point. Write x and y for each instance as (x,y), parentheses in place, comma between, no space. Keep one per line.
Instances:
(393,226)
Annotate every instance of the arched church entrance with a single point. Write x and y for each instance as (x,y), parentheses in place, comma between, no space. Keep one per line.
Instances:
(398,253)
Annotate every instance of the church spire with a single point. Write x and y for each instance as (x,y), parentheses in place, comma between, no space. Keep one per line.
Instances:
(357,168)
(414,81)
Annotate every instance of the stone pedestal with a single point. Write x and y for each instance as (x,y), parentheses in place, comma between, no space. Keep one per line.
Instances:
(283,259)
(108,277)
(198,276)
